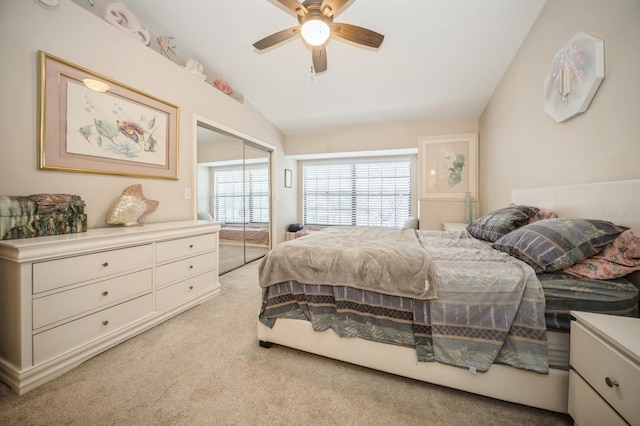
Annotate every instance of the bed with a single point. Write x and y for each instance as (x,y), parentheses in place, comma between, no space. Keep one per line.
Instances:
(528,383)
(251,233)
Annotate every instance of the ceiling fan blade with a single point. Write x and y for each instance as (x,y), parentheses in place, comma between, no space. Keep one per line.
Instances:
(319,56)
(331,7)
(276,38)
(295,6)
(357,34)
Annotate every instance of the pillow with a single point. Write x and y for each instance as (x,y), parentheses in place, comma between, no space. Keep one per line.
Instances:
(205,216)
(543,214)
(411,223)
(618,259)
(554,244)
(500,222)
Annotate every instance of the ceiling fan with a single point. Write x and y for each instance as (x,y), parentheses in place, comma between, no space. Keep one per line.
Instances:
(316,25)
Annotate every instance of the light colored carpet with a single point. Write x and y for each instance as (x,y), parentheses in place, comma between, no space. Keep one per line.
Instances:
(204,367)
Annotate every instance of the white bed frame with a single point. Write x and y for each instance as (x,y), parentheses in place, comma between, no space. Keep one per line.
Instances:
(618,202)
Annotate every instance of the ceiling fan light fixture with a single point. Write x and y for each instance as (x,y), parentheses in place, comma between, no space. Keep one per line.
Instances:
(315,32)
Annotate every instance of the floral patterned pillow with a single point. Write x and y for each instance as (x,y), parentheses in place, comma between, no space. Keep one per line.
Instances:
(542,215)
(618,259)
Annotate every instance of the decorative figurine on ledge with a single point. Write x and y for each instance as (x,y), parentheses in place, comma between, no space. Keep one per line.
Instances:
(123,19)
(166,45)
(222,86)
(195,68)
(130,207)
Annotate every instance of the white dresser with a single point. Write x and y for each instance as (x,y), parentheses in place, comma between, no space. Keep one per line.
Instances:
(66,298)
(604,380)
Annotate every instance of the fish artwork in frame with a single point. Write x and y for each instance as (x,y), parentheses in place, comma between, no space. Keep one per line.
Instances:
(91,124)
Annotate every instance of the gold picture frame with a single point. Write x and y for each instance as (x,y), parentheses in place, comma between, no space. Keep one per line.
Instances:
(448,167)
(89,123)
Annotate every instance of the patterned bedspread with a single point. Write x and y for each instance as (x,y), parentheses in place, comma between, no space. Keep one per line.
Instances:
(490,309)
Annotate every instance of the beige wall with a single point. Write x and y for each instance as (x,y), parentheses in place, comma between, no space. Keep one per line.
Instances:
(384,137)
(373,138)
(73,34)
(520,146)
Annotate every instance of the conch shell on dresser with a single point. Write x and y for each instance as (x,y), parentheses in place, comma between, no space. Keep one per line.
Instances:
(130,207)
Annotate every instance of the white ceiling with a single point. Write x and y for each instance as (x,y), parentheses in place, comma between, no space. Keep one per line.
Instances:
(440,59)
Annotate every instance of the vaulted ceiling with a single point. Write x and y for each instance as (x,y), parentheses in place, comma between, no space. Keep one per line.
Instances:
(440,59)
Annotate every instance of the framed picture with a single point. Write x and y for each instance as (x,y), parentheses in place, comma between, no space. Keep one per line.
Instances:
(288,176)
(448,167)
(92,124)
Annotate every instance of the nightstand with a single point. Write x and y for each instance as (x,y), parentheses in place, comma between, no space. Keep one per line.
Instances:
(453,226)
(604,375)
(288,236)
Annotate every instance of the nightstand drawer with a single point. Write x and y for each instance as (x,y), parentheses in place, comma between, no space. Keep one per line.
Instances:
(71,270)
(185,268)
(175,249)
(54,342)
(66,304)
(587,408)
(609,373)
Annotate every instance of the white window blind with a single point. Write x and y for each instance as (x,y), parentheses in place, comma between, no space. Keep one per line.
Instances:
(241,194)
(361,193)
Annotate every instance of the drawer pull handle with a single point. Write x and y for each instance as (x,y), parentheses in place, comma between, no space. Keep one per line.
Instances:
(105,293)
(190,287)
(611,383)
(190,266)
(190,246)
(105,322)
(105,264)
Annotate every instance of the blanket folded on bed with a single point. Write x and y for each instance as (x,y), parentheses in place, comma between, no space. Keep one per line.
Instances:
(387,261)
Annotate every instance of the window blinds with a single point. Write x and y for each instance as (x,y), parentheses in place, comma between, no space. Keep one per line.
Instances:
(241,199)
(361,193)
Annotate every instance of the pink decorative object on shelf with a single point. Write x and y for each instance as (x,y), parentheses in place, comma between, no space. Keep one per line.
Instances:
(166,45)
(222,86)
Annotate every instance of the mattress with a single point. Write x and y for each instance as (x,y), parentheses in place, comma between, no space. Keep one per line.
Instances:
(564,293)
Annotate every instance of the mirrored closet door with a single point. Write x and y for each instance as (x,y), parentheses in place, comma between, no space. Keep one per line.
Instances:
(233,188)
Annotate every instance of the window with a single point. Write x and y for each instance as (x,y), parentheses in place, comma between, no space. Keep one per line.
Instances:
(238,203)
(375,192)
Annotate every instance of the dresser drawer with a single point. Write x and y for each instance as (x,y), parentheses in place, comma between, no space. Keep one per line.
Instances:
(66,304)
(54,342)
(71,270)
(596,361)
(175,249)
(185,268)
(184,289)
(587,408)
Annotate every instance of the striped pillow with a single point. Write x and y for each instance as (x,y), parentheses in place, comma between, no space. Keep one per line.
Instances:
(554,244)
(500,222)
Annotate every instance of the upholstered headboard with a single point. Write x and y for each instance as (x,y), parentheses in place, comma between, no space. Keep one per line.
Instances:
(616,201)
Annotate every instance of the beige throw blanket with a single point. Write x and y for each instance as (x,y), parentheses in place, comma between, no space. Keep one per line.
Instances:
(388,261)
